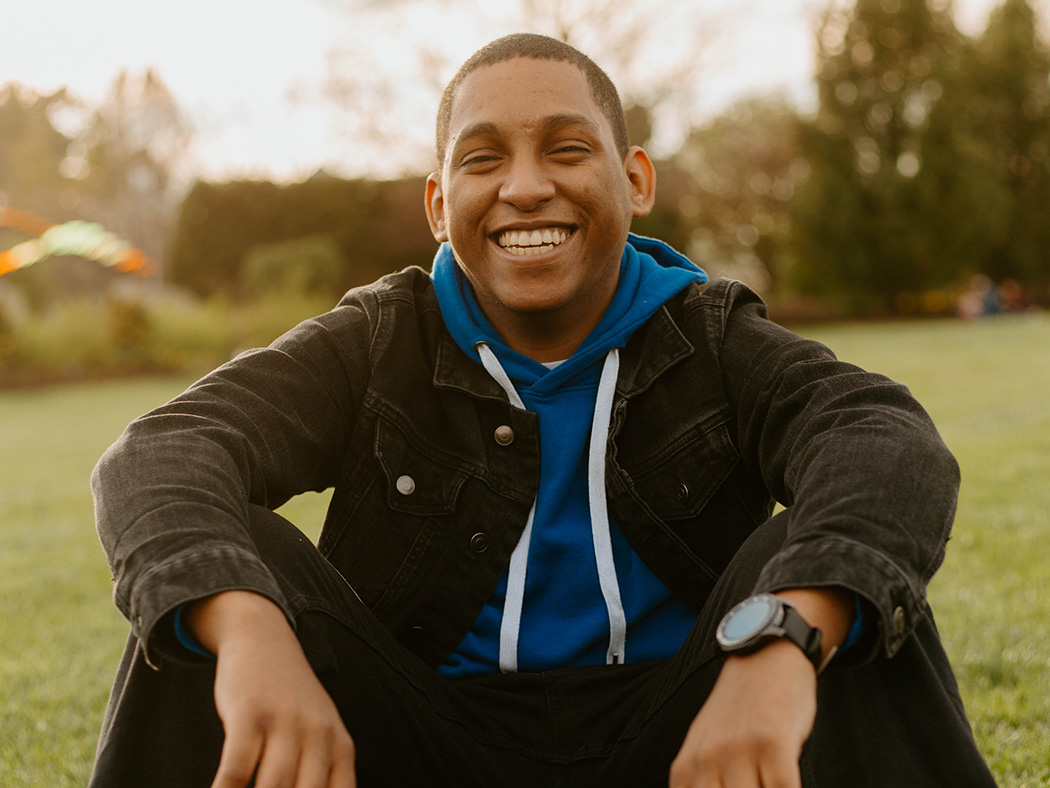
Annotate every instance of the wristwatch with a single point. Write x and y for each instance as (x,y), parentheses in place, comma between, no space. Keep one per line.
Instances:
(760,619)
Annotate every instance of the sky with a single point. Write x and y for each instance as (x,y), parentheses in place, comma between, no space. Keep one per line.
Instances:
(249,75)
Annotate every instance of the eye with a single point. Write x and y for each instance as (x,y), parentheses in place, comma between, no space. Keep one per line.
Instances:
(570,150)
(479,161)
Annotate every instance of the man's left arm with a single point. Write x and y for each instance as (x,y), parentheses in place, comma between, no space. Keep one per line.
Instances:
(870,490)
(751,729)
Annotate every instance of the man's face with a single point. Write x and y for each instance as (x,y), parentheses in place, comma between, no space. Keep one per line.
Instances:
(533,195)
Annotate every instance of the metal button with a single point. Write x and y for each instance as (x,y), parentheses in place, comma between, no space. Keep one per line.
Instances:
(479,542)
(899,620)
(682,493)
(406,485)
(504,435)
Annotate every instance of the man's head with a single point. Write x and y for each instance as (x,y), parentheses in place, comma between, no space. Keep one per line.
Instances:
(536,194)
(537,47)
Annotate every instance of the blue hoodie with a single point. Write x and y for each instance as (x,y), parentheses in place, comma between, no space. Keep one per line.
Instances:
(564,621)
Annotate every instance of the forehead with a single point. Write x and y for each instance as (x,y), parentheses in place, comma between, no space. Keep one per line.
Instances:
(521,94)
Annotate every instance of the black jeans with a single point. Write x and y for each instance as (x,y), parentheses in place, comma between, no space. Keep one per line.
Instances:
(897,722)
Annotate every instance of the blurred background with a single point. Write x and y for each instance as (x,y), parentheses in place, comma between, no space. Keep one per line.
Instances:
(166,172)
(182,181)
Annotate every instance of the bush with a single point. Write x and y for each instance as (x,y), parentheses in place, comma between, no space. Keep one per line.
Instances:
(309,266)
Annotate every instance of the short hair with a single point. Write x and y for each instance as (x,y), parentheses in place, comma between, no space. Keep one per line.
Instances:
(537,47)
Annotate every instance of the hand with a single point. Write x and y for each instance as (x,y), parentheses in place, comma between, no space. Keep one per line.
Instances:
(751,730)
(280,723)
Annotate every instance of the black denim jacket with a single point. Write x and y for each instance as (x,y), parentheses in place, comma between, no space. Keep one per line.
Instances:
(717,413)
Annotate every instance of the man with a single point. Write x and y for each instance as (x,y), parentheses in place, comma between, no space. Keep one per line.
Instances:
(554,463)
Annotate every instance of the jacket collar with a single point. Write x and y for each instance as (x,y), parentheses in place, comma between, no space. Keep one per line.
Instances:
(655,348)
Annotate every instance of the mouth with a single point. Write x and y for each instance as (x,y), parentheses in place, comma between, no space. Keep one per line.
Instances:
(532,242)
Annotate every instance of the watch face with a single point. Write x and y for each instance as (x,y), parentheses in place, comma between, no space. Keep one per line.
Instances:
(746,620)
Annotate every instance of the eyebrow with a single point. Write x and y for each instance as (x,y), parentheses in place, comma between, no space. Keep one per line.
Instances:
(550,123)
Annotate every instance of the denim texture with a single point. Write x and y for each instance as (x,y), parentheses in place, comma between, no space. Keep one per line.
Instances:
(718,413)
(895,722)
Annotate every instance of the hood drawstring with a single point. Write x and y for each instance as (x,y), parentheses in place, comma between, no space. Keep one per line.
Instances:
(603,554)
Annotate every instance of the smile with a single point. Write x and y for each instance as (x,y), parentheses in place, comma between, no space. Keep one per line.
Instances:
(529,242)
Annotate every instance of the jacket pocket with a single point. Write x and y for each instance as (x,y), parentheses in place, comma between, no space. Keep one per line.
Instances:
(401,523)
(679,480)
(416,483)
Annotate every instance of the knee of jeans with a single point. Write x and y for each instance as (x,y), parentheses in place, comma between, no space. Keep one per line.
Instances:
(739,577)
(288,553)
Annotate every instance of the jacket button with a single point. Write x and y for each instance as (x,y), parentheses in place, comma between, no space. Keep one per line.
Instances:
(682,493)
(479,542)
(504,435)
(406,485)
(899,620)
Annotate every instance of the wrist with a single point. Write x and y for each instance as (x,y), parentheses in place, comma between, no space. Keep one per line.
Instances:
(231,616)
(830,609)
(764,619)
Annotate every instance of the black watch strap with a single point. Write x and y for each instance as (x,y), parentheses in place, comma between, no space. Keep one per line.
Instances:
(802,635)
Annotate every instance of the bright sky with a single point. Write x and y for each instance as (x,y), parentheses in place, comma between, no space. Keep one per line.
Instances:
(233,65)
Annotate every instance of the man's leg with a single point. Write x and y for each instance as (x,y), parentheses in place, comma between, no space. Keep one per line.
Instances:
(409,725)
(890,722)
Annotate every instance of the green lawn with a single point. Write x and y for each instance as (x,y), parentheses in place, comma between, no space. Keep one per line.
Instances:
(987,386)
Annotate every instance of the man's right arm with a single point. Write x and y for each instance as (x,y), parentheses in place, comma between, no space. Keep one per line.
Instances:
(172,494)
(279,722)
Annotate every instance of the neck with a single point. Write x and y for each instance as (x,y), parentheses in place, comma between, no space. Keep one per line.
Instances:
(544,336)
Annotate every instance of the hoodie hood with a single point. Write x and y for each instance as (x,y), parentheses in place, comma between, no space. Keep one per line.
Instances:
(651,272)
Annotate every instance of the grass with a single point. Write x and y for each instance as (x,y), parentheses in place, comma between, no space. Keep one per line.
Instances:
(987,386)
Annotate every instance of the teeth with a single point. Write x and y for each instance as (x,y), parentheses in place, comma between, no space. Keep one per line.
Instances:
(524,242)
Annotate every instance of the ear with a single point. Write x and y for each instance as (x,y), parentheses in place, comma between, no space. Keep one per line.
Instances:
(641,174)
(435,206)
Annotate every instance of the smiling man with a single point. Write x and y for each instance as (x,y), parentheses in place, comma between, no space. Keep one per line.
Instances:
(549,558)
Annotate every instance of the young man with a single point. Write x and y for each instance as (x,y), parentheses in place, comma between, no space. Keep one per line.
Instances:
(554,462)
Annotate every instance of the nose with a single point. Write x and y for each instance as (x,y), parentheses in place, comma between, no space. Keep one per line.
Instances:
(527,184)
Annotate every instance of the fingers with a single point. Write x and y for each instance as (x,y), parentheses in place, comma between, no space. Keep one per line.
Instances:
(292,756)
(742,769)
(750,731)
(327,764)
(240,755)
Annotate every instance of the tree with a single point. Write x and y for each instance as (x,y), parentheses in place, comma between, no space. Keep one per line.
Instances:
(723,198)
(1011,113)
(33,152)
(895,199)
(130,155)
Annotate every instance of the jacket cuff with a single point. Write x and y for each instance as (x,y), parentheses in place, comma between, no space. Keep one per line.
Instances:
(188,576)
(895,605)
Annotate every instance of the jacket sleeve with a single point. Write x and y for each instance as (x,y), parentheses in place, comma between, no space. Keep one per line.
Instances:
(172,494)
(870,486)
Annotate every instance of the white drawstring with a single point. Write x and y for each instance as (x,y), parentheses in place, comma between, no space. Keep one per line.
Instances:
(511,623)
(603,553)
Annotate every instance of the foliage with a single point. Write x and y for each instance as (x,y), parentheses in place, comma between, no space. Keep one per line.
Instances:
(129,158)
(32,150)
(84,339)
(1010,110)
(117,163)
(378,227)
(723,198)
(312,265)
(895,180)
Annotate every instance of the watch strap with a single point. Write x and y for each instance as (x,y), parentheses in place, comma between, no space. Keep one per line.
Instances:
(803,635)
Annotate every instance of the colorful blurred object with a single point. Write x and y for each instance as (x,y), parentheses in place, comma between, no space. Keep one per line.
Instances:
(85,239)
